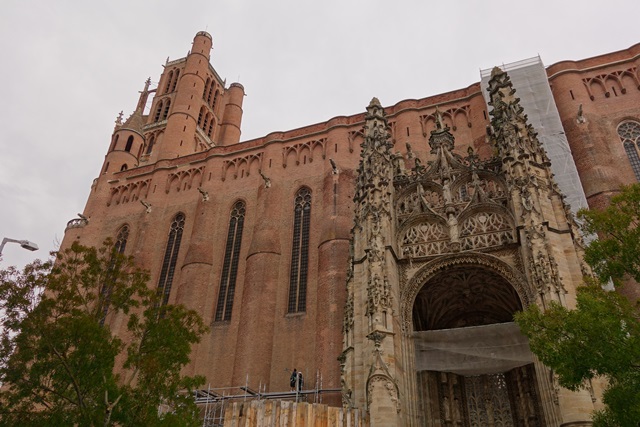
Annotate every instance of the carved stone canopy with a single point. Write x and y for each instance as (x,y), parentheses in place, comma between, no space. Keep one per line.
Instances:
(462,297)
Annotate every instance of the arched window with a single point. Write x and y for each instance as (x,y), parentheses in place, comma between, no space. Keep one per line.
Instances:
(230,264)
(129,144)
(107,286)
(158,111)
(210,131)
(170,258)
(210,92)
(175,80)
(169,79)
(202,113)
(166,109)
(152,141)
(124,167)
(206,89)
(215,99)
(115,141)
(629,133)
(300,252)
(121,239)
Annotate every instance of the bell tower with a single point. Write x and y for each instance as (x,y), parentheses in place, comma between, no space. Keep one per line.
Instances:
(192,109)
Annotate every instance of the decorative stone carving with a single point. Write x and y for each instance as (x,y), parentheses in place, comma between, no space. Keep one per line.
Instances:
(298,150)
(464,199)
(378,294)
(129,192)
(471,259)
(185,179)
(348,314)
(204,194)
(267,181)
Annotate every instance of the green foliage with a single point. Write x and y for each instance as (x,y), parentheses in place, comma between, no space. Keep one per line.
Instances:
(60,364)
(616,253)
(601,337)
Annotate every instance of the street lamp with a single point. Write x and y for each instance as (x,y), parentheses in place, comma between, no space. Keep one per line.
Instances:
(24,243)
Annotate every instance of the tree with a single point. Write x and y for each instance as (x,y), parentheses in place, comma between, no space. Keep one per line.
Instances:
(601,337)
(61,364)
(616,253)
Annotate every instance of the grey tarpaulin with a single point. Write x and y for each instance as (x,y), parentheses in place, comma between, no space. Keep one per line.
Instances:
(475,350)
(529,78)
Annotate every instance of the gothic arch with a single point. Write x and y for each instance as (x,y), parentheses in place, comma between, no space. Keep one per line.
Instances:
(492,263)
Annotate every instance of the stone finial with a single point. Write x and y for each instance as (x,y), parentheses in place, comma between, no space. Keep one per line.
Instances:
(440,136)
(410,154)
(496,71)
(439,122)
(119,119)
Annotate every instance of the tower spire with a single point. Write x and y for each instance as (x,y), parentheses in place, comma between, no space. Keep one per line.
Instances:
(144,95)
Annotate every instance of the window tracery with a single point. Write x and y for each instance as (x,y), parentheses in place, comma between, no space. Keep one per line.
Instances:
(300,252)
(485,229)
(105,292)
(629,133)
(170,257)
(230,263)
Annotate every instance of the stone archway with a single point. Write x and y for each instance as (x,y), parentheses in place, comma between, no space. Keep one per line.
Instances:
(472,365)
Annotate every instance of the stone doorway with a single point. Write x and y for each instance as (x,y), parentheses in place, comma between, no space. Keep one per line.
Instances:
(491,400)
(473,366)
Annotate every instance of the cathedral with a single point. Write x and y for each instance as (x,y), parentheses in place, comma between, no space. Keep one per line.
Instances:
(382,254)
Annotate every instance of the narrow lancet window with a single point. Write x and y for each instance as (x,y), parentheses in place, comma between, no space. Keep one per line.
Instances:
(170,258)
(230,263)
(107,287)
(300,252)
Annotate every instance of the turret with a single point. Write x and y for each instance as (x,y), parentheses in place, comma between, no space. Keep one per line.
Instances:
(232,118)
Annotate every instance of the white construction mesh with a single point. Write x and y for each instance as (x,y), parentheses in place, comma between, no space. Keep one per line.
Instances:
(529,78)
(475,350)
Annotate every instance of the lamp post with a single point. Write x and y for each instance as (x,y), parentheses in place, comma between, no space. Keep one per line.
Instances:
(24,243)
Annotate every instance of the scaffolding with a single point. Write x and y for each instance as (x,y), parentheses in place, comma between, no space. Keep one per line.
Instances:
(214,401)
(529,78)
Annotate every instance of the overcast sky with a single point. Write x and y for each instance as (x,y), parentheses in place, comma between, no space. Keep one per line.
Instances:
(68,67)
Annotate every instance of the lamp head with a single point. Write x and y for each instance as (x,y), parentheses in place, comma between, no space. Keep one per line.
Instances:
(29,245)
